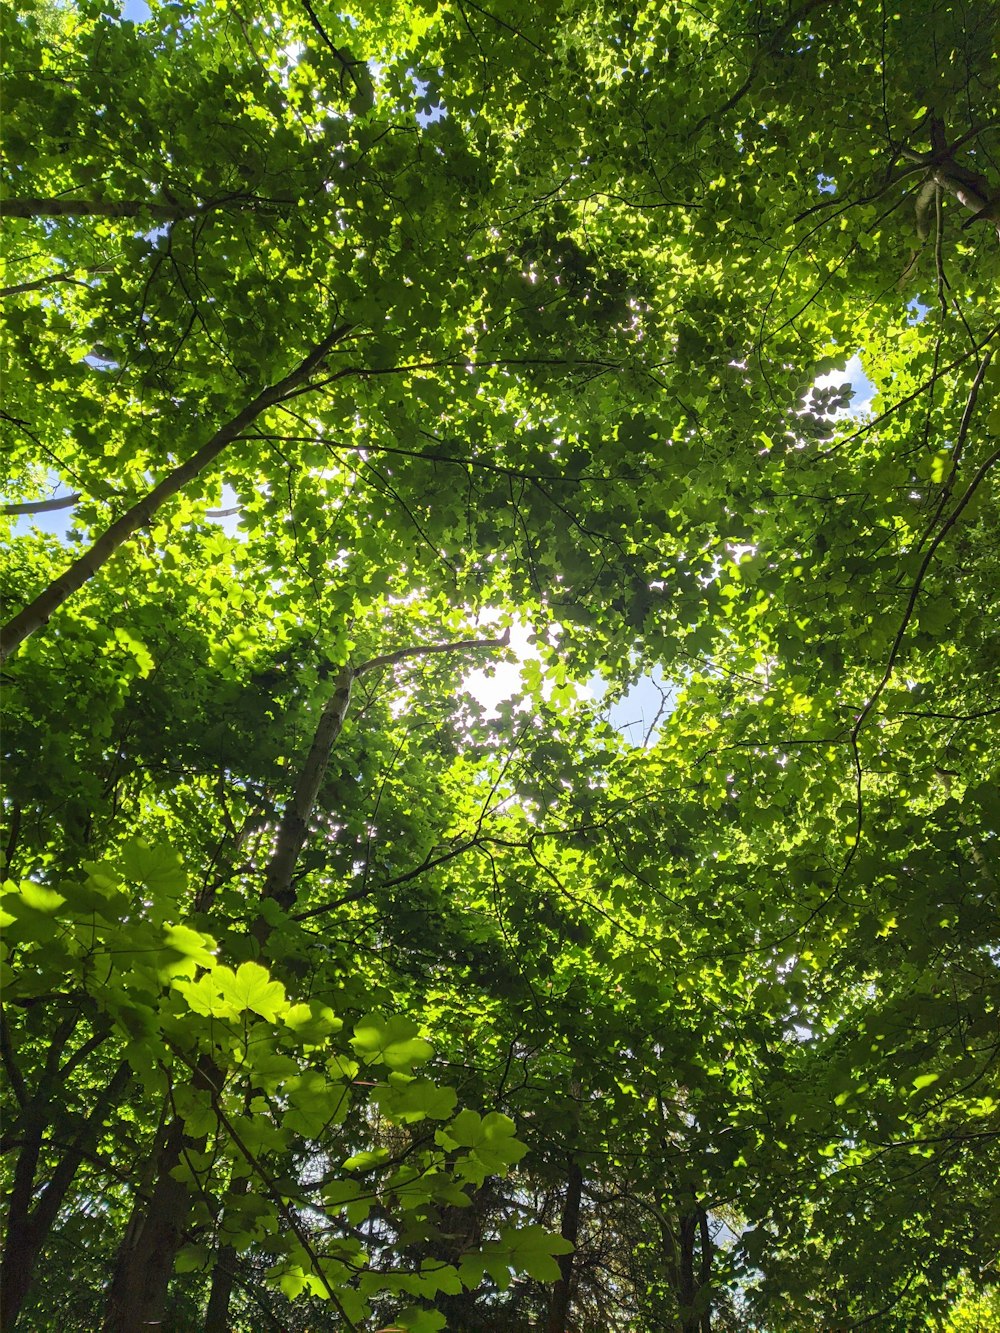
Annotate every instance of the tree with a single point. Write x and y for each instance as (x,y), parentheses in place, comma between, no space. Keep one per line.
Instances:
(330,999)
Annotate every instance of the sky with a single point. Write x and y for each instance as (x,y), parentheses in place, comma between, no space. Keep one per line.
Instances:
(863,388)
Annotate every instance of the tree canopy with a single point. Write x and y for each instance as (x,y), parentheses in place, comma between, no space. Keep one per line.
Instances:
(354,347)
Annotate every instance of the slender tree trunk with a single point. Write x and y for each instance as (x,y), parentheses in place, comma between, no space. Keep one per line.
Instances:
(224,1272)
(687,1288)
(705,1266)
(559,1300)
(295,825)
(28,1232)
(141,514)
(146,1256)
(17,1252)
(138,1294)
(34,1115)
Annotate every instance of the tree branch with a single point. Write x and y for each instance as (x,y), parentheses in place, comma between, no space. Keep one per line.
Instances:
(294,827)
(425,650)
(61,589)
(68,501)
(50,278)
(42,506)
(295,823)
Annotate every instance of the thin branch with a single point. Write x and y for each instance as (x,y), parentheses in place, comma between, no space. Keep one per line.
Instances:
(910,397)
(946,527)
(50,278)
(425,650)
(758,58)
(501,23)
(68,501)
(963,431)
(894,653)
(429,863)
(285,1209)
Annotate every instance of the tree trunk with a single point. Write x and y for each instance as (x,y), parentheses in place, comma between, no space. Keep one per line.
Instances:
(295,824)
(27,1233)
(224,1272)
(705,1266)
(141,514)
(687,1289)
(138,1294)
(559,1301)
(146,1256)
(18,1257)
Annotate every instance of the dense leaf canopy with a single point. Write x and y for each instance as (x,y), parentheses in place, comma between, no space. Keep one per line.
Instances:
(358,353)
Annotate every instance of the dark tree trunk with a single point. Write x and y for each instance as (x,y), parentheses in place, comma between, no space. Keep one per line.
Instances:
(28,1232)
(224,1272)
(19,1247)
(559,1301)
(705,1266)
(138,1294)
(687,1288)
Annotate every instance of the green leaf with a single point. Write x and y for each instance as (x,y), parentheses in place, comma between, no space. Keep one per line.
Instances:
(415,1101)
(35,897)
(418,1320)
(315,1103)
(192,1259)
(251,987)
(531,1249)
(490,1138)
(311,1023)
(157,866)
(924,1081)
(185,950)
(390,1041)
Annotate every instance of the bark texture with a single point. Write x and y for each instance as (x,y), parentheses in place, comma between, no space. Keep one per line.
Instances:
(138,1294)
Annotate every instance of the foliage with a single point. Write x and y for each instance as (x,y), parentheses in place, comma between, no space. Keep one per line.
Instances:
(334,999)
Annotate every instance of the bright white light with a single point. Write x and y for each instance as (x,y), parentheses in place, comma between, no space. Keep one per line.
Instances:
(503,680)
